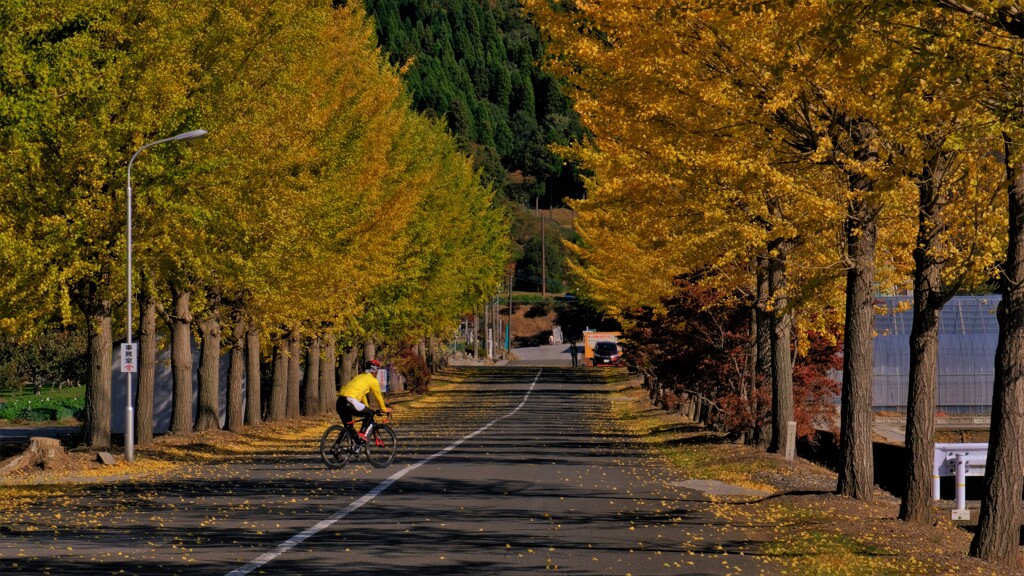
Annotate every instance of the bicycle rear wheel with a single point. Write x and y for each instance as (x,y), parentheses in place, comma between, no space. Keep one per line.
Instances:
(336,447)
(381,448)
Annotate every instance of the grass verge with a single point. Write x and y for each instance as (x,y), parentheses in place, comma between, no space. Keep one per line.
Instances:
(805,528)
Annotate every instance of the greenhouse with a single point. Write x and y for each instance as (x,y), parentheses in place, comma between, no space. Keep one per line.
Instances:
(968,334)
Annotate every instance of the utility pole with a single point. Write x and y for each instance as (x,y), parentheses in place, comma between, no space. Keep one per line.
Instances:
(543,252)
(551,217)
(508,340)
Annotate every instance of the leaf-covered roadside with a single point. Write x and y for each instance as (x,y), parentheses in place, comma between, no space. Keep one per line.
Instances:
(171,455)
(804,527)
(800,528)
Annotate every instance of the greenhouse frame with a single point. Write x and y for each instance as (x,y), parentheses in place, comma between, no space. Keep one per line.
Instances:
(968,334)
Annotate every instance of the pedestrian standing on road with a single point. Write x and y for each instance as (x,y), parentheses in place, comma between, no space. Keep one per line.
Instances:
(353,396)
(574,352)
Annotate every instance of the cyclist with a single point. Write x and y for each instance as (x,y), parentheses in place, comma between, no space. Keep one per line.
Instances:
(352,399)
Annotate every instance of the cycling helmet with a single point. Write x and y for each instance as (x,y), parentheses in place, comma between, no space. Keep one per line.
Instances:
(373,365)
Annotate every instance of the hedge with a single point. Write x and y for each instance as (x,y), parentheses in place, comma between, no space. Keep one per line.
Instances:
(42,409)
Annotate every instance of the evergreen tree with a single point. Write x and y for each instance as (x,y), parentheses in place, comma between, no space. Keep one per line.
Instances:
(475,64)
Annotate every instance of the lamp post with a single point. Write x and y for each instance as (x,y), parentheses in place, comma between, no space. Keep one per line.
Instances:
(130,366)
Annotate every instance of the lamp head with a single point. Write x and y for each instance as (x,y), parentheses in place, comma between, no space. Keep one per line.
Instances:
(190,135)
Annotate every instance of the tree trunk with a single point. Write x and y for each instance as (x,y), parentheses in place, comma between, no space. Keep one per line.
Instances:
(476,336)
(920,436)
(96,427)
(998,535)
(782,353)
(746,381)
(236,377)
(208,417)
(929,298)
(499,330)
(294,374)
(488,332)
(348,364)
(369,351)
(253,390)
(856,467)
(311,396)
(443,357)
(328,385)
(432,354)
(147,365)
(395,382)
(762,374)
(181,362)
(279,387)
(40,450)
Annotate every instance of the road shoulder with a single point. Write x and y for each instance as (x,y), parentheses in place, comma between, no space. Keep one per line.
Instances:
(791,507)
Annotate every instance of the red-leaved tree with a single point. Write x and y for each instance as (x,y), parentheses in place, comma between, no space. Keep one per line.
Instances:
(699,346)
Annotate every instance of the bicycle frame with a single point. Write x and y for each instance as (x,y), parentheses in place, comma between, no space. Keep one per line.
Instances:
(383,438)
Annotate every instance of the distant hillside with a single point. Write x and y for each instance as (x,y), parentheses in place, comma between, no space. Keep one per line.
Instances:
(473,63)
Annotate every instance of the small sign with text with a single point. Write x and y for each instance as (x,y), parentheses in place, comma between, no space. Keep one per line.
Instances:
(128,354)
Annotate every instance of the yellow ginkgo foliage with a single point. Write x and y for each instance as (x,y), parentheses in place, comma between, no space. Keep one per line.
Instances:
(728,134)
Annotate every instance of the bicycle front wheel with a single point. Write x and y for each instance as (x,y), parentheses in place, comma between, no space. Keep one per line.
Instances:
(336,447)
(381,448)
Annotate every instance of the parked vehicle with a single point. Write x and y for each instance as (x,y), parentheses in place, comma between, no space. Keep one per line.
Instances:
(606,354)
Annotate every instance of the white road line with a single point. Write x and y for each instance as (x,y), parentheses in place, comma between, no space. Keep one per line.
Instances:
(366,498)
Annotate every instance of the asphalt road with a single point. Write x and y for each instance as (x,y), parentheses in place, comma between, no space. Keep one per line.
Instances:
(513,479)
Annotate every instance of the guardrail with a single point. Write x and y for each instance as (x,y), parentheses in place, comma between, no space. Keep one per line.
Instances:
(959,460)
(954,421)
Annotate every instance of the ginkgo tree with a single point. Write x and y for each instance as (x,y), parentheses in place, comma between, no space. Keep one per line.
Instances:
(449,248)
(993,31)
(680,147)
(331,225)
(290,217)
(895,121)
(78,94)
(823,105)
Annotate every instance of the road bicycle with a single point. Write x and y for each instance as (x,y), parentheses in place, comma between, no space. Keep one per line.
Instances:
(338,445)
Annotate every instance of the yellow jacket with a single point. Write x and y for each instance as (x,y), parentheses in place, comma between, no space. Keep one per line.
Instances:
(362,385)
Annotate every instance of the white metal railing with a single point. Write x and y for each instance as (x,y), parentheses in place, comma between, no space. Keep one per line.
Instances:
(960,461)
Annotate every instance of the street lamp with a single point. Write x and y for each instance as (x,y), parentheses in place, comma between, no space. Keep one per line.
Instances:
(128,356)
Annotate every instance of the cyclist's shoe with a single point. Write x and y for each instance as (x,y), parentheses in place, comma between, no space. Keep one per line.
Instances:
(361,438)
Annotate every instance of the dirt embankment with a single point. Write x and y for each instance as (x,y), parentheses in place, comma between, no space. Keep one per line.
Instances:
(531,324)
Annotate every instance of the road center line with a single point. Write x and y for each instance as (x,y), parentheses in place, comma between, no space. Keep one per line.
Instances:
(369,496)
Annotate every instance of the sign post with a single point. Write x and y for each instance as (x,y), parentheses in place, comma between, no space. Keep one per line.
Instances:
(128,365)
